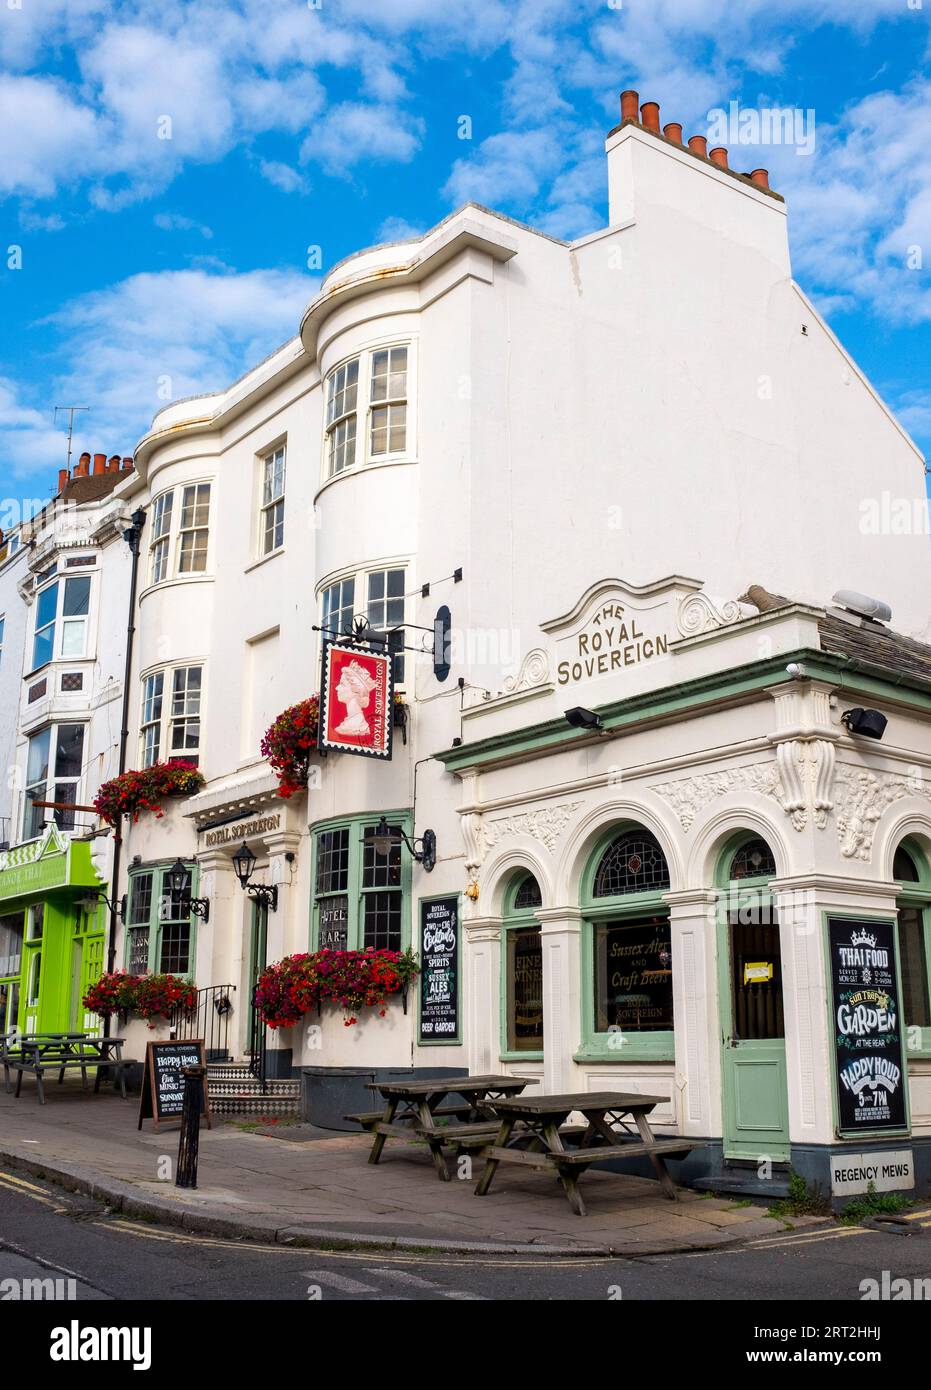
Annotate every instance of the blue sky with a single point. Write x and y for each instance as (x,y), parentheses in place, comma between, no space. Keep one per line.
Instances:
(156,267)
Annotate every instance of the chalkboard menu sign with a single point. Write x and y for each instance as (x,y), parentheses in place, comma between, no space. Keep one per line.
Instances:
(439,970)
(333,933)
(867,1024)
(163,1083)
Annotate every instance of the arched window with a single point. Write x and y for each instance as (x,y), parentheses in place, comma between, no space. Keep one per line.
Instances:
(522,962)
(528,894)
(754,859)
(628,948)
(633,863)
(914,927)
(904,869)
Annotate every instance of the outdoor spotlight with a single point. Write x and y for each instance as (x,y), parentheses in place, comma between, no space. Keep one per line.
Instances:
(581,718)
(867,723)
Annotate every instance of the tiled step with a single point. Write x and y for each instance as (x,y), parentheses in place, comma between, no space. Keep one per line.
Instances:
(235,1091)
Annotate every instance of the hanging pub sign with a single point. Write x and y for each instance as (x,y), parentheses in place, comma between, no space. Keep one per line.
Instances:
(439,970)
(867,1024)
(355,701)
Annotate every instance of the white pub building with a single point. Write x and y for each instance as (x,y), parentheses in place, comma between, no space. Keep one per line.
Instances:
(676,752)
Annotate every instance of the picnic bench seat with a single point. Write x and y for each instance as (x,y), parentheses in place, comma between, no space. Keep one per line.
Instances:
(367,1118)
(583,1157)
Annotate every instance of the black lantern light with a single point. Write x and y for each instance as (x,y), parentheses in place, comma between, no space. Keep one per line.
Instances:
(264,893)
(178,879)
(386,837)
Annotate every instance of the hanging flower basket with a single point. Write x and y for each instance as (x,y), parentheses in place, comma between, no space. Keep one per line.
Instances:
(353,980)
(132,793)
(290,743)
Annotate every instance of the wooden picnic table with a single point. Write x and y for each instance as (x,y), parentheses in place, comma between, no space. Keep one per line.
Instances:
(415,1111)
(38,1053)
(600,1142)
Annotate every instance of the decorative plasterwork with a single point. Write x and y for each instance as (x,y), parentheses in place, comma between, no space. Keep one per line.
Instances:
(534,670)
(471,826)
(697,613)
(800,780)
(545,825)
(862,797)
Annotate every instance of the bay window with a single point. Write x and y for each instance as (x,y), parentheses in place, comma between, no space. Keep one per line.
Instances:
(181,531)
(170,723)
(381,596)
(367,400)
(61,607)
(54,765)
(361,898)
(159,933)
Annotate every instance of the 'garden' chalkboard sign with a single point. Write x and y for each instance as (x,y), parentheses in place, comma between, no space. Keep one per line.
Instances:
(163,1083)
(439,970)
(867,1026)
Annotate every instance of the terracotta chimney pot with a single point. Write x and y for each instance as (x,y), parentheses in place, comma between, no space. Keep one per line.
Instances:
(718,156)
(127,464)
(630,105)
(100,463)
(760,177)
(699,145)
(83,466)
(63,476)
(673,132)
(649,115)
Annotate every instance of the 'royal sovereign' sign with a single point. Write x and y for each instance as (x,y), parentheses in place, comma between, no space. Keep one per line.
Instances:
(617,629)
(355,701)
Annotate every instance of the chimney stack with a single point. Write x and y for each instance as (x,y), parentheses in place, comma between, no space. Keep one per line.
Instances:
(630,105)
(649,115)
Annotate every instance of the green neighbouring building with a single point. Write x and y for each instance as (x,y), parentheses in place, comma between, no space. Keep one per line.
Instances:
(52,937)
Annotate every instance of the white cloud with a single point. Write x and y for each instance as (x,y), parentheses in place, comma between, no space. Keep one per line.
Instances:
(125,351)
(398,229)
(48,137)
(351,132)
(283,176)
(507,168)
(177,222)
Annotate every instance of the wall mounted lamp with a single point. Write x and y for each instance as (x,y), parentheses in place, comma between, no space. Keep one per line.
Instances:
(386,837)
(265,894)
(178,879)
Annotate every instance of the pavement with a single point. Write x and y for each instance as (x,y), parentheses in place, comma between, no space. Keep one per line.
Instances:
(296,1185)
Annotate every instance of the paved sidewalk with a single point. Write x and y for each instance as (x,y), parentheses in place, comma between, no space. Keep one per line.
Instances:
(321,1191)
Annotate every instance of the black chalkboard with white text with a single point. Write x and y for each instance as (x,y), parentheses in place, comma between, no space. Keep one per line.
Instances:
(439,970)
(163,1083)
(868,1026)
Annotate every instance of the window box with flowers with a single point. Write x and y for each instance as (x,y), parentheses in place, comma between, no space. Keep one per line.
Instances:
(135,792)
(151,997)
(349,980)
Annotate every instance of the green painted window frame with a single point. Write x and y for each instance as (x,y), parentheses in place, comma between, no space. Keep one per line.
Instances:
(356,826)
(154,922)
(725,887)
(659,1046)
(917,895)
(513,919)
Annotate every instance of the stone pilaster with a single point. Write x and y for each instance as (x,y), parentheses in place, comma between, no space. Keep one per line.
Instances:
(693,930)
(561,936)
